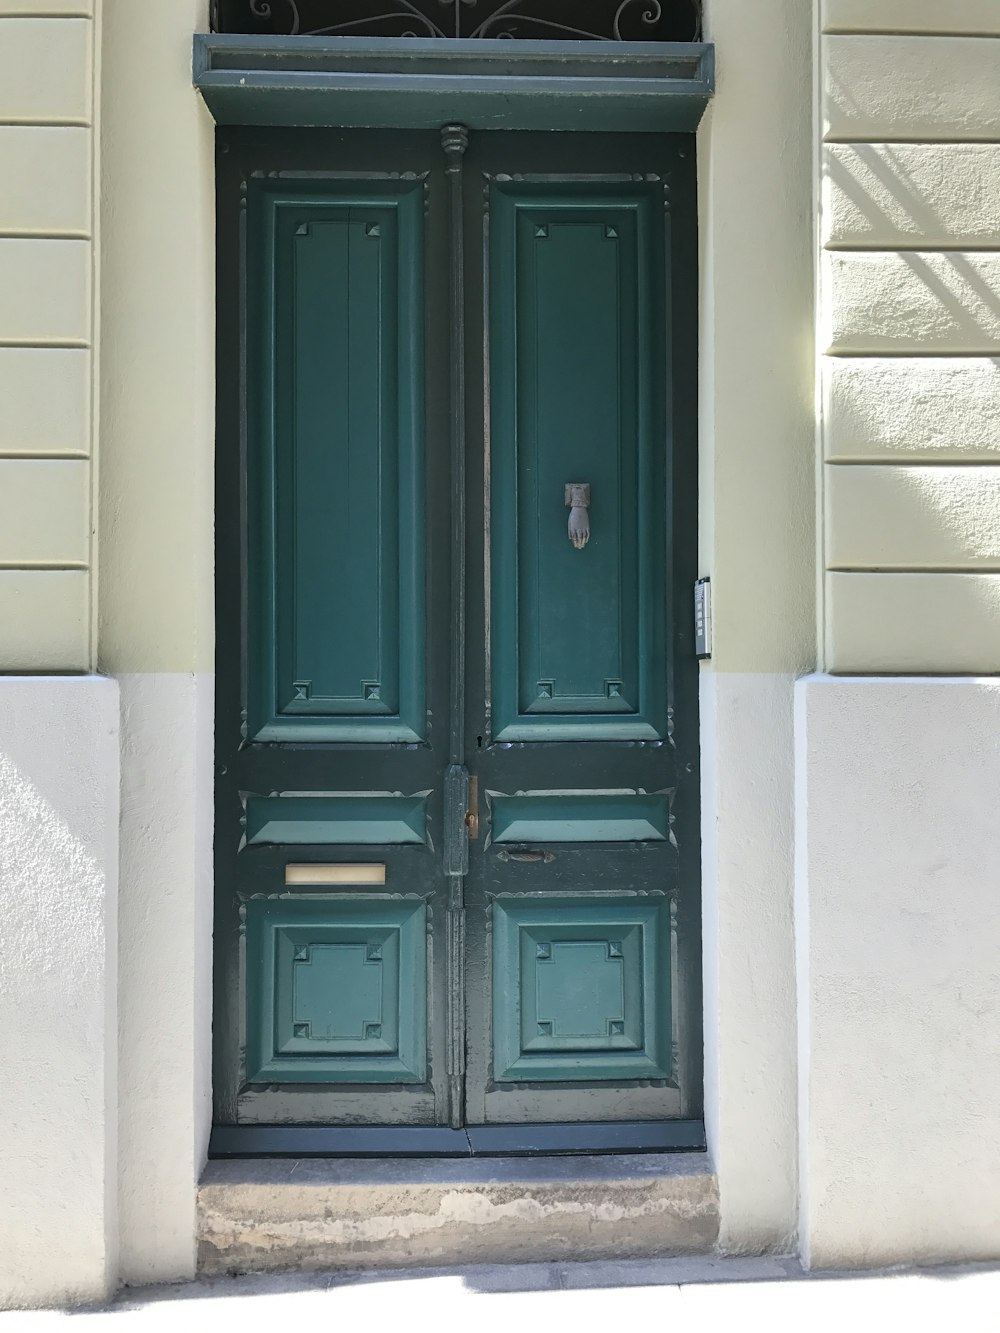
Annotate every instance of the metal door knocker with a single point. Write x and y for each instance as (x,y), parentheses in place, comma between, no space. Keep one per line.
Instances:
(578,499)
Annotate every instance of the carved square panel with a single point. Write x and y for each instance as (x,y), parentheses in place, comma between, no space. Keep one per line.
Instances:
(581,989)
(336,991)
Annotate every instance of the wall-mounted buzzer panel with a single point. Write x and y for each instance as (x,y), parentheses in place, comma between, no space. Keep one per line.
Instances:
(581,990)
(317,820)
(580,818)
(335,468)
(578,375)
(336,991)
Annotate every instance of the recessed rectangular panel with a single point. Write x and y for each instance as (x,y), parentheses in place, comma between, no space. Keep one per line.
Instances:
(581,989)
(303,820)
(335,464)
(336,991)
(578,391)
(580,818)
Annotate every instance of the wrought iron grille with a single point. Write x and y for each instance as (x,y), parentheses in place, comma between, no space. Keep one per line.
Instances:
(567,20)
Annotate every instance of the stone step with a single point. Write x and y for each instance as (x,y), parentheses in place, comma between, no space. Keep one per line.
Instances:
(270,1214)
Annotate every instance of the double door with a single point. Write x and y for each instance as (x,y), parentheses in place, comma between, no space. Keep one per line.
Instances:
(456,826)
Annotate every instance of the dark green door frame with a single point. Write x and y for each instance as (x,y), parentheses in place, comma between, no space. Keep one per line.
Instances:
(348,1138)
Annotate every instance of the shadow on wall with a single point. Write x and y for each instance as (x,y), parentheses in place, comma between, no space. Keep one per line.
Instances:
(910,228)
(947,300)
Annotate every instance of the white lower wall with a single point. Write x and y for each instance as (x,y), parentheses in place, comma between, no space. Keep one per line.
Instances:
(749,964)
(58,888)
(898,937)
(165,1091)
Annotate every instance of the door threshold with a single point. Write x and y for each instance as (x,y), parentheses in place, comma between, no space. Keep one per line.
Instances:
(229,1141)
(275,1213)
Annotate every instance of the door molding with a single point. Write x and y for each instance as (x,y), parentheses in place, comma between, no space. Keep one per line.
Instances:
(387,83)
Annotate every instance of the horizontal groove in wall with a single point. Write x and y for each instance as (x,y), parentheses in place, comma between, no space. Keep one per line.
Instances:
(929,143)
(49,124)
(918,247)
(952,571)
(67,235)
(918,140)
(891,460)
(47,455)
(899,675)
(42,565)
(82,345)
(903,354)
(835,31)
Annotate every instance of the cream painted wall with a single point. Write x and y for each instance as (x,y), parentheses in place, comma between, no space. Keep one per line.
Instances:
(49,63)
(757,525)
(910,322)
(156,605)
(970,17)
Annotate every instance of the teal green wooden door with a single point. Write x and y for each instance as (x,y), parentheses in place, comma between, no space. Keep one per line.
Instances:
(456,846)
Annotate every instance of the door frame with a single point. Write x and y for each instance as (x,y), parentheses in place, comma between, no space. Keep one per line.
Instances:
(622,105)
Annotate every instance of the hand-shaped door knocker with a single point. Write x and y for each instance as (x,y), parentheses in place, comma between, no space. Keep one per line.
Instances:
(578,499)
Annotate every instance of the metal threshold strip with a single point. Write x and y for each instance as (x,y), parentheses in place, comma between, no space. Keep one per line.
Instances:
(473,1141)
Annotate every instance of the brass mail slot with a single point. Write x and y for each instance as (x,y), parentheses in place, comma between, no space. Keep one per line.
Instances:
(335,874)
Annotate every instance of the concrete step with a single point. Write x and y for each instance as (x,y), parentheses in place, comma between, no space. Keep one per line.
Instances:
(308,1214)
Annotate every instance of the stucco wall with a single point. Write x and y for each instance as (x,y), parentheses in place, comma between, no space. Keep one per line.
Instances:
(897,778)
(156,605)
(48,66)
(899,953)
(58,889)
(910,320)
(758,535)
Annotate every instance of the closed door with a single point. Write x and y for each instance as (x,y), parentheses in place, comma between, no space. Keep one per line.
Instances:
(456,838)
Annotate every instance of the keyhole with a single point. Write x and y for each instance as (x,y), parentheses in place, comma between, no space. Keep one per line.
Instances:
(479,742)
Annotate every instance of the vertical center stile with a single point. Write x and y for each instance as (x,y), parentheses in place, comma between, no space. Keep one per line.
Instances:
(454,142)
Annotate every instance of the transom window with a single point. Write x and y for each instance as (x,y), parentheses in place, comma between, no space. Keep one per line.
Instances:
(560,20)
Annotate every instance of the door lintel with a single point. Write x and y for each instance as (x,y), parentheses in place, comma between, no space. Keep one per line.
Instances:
(388,83)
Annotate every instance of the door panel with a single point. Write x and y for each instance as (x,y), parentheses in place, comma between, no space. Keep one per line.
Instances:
(580,990)
(333,617)
(287,821)
(336,991)
(585,817)
(367,281)
(575,268)
(338,481)
(582,899)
